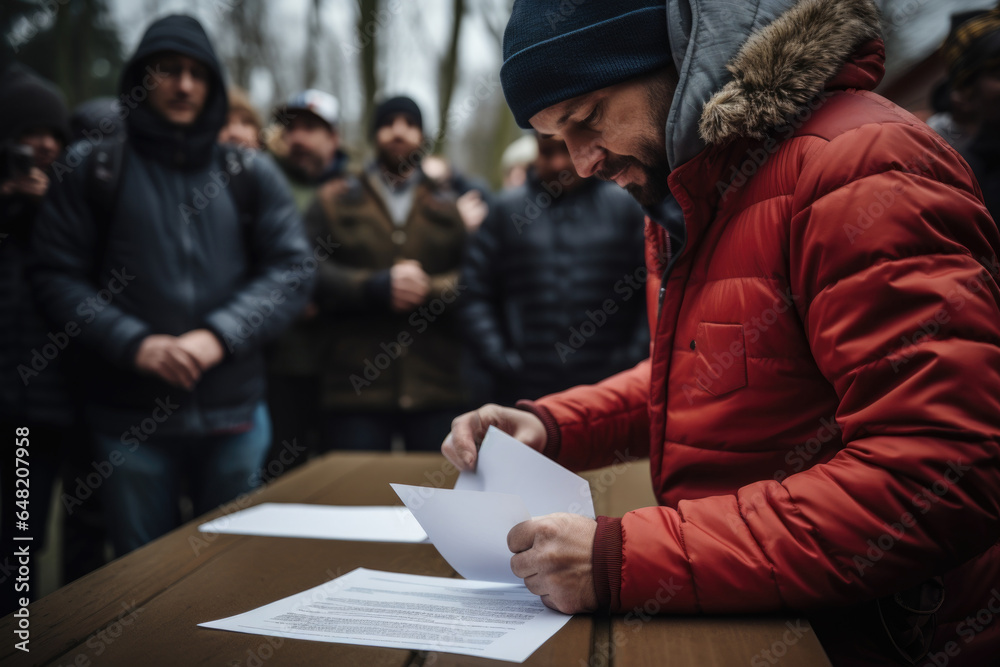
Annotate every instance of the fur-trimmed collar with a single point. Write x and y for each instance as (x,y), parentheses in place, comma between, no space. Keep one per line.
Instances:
(785,65)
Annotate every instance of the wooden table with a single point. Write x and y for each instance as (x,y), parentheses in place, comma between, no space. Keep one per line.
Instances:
(143,609)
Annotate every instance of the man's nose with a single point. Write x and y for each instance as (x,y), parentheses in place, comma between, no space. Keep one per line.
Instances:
(186,81)
(586,154)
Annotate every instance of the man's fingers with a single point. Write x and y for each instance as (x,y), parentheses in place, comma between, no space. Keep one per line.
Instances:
(534,583)
(522,536)
(463,459)
(171,374)
(466,433)
(525,566)
(185,365)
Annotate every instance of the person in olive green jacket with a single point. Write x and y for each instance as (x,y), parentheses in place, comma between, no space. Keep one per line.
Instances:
(387,295)
(310,156)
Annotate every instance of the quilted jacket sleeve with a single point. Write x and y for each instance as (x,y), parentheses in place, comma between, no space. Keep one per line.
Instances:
(896,262)
(280,249)
(64,245)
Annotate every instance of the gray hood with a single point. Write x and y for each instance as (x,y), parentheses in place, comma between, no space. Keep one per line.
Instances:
(731,85)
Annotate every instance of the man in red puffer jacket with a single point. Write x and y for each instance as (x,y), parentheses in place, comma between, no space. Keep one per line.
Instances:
(821,407)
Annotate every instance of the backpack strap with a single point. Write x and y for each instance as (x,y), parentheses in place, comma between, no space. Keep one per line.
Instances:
(238,163)
(103,178)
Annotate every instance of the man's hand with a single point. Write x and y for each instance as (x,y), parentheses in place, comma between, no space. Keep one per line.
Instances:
(461,446)
(204,346)
(34,184)
(553,555)
(409,285)
(163,356)
(472,209)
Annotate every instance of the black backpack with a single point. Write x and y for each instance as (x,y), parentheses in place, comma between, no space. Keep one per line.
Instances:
(106,166)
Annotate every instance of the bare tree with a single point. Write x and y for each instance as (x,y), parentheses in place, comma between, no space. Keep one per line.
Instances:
(448,73)
(246,44)
(367,35)
(310,67)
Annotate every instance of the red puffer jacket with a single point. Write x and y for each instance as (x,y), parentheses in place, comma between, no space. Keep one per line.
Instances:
(822,404)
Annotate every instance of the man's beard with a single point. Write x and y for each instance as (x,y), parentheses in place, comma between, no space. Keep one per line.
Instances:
(400,161)
(305,163)
(652,150)
(653,164)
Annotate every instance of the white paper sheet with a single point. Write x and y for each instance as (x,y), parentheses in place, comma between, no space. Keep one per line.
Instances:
(468,528)
(406,611)
(367,524)
(507,465)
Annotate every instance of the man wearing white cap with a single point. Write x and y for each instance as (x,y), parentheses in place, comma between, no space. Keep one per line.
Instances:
(311,139)
(310,122)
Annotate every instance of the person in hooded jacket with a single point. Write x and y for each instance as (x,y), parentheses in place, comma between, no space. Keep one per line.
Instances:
(821,407)
(36,401)
(173,288)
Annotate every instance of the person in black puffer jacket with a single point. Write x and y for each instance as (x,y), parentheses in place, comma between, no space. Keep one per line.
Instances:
(555,280)
(35,397)
(174,288)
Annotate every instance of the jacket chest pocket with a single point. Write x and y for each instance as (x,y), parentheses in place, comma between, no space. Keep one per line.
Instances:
(721,363)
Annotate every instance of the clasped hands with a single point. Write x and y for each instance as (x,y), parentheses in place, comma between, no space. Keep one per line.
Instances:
(179,360)
(552,554)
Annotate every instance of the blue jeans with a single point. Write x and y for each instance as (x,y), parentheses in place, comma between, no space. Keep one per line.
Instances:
(143,482)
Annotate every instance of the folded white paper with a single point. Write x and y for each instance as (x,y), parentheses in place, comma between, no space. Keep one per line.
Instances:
(367,524)
(468,528)
(512,483)
(507,465)
(407,611)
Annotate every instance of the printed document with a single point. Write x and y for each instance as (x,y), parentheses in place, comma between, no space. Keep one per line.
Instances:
(406,611)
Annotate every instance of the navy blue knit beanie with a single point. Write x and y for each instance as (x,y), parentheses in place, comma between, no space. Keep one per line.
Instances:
(387,110)
(554,50)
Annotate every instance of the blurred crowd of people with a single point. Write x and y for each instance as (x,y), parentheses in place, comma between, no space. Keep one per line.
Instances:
(197,299)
